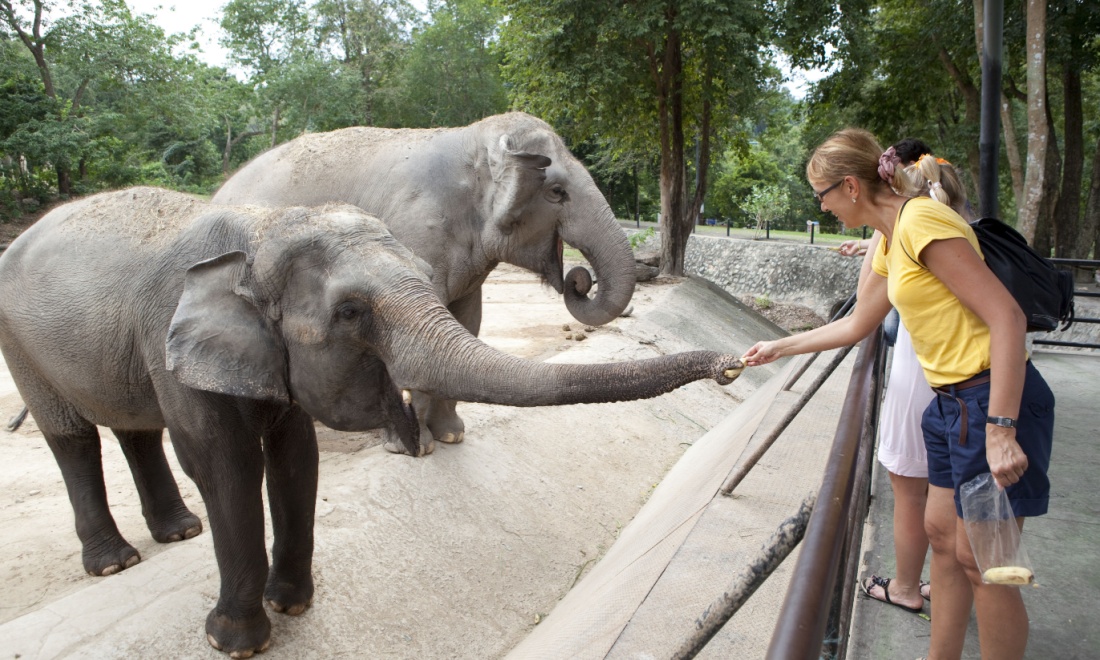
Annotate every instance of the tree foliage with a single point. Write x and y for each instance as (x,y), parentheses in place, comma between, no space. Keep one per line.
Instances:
(645,76)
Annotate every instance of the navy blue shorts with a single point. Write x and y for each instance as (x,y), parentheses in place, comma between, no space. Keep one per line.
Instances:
(951,464)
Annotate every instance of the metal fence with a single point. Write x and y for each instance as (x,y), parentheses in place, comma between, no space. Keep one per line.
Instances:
(1068,264)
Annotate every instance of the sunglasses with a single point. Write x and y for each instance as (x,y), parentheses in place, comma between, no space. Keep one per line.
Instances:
(820,195)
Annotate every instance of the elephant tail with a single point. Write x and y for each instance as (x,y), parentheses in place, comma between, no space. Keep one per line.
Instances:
(15,422)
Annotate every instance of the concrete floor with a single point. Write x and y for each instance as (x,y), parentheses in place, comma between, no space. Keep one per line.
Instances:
(1064,545)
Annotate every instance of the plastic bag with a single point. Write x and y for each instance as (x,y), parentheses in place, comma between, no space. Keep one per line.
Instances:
(994,535)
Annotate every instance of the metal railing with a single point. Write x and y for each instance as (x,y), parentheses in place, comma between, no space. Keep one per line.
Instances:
(1087,264)
(818,606)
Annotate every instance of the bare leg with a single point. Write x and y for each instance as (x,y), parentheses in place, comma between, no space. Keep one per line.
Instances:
(910,539)
(954,596)
(1002,617)
(290,459)
(167,517)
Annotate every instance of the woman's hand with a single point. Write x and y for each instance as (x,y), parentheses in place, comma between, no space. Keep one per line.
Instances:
(1007,462)
(853,248)
(762,353)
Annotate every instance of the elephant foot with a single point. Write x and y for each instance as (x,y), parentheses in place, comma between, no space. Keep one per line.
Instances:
(452,438)
(109,557)
(444,423)
(178,526)
(392,442)
(239,637)
(395,446)
(288,596)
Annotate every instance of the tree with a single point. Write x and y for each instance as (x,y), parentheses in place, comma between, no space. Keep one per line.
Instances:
(450,74)
(262,36)
(766,204)
(639,73)
(1038,131)
(97,48)
(368,37)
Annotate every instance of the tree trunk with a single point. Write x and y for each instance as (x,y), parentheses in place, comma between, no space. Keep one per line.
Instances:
(1067,213)
(1052,165)
(64,180)
(231,142)
(1038,131)
(228,146)
(1012,150)
(675,227)
(275,128)
(637,197)
(702,164)
(972,102)
(34,41)
(1088,235)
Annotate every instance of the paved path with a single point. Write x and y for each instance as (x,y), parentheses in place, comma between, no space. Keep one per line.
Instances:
(1064,545)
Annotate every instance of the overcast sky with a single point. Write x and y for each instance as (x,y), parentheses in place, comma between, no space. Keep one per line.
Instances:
(181,15)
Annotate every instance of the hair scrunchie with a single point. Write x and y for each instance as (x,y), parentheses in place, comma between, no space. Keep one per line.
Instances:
(887,162)
(932,185)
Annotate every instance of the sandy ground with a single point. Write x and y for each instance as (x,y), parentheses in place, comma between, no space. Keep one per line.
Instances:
(456,555)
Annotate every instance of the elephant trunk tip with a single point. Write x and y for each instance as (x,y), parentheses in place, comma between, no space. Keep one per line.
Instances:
(729,368)
(591,311)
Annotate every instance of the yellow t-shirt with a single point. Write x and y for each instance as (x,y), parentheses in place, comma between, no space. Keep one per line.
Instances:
(951,342)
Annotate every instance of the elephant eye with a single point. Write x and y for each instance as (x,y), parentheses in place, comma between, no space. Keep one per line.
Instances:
(347,311)
(558,191)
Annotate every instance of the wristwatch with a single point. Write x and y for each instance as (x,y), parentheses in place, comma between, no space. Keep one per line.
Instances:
(1006,422)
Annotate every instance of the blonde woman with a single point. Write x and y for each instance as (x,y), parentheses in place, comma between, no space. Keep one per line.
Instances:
(992,411)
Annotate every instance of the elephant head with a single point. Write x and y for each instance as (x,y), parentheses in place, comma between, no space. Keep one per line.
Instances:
(332,313)
(540,195)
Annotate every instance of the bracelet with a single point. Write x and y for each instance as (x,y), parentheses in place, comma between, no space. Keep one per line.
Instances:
(1004,422)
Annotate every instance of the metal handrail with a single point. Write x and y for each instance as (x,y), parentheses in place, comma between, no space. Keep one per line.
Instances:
(1075,263)
(813,603)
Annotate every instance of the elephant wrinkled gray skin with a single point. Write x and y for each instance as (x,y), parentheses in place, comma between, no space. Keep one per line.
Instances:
(463,199)
(235,328)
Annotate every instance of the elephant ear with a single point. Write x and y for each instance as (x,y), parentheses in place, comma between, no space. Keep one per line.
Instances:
(517,177)
(219,341)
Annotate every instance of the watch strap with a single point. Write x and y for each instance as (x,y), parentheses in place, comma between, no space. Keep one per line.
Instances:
(1006,422)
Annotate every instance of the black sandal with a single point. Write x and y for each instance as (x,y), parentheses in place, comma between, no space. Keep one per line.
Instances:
(866,584)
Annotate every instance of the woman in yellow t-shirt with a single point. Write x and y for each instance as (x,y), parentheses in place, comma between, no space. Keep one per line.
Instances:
(968,334)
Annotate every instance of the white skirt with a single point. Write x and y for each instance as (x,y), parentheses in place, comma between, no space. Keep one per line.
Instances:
(901,442)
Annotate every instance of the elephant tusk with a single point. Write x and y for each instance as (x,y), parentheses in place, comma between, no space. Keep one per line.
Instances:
(406,397)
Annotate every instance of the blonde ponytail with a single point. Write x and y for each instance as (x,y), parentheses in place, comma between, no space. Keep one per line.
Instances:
(936,178)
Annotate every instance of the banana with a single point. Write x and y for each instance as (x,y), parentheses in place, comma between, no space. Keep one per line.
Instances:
(1013,575)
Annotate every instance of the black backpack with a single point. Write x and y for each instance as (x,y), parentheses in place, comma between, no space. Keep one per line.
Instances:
(1044,292)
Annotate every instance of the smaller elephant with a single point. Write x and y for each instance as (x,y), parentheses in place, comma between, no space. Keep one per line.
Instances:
(236,328)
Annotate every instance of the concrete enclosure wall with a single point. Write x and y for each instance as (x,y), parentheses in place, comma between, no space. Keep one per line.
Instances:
(800,274)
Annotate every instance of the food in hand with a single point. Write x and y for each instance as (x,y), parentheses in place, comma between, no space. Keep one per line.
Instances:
(1012,575)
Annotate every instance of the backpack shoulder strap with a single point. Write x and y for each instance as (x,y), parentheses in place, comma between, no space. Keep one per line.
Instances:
(901,213)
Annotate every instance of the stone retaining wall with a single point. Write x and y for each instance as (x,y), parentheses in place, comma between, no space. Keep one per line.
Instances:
(800,274)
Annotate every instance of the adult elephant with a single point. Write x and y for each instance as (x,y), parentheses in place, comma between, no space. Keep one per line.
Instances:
(504,189)
(235,328)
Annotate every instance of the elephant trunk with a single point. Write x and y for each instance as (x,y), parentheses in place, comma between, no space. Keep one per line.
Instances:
(604,244)
(438,356)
